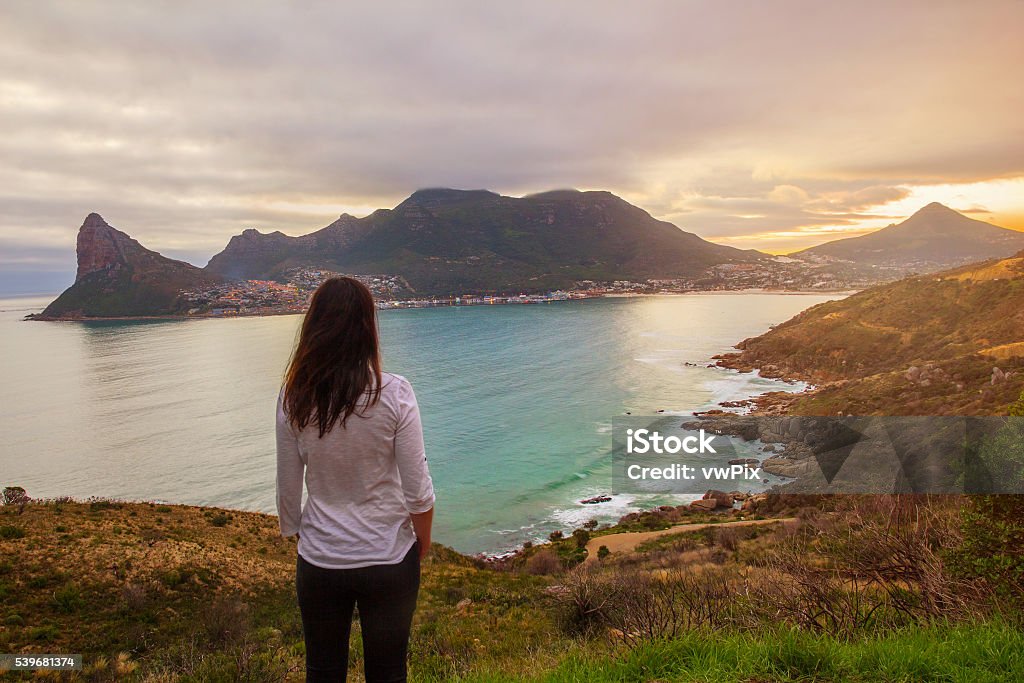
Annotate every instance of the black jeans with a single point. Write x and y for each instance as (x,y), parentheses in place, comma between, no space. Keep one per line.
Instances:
(386,597)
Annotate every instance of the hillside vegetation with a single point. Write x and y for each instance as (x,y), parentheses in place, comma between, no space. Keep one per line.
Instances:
(849,590)
(950,343)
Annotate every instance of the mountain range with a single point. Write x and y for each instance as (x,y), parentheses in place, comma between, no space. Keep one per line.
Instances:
(440,241)
(450,242)
(446,241)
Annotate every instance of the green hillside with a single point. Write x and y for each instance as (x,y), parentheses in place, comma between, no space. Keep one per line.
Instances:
(452,241)
(950,343)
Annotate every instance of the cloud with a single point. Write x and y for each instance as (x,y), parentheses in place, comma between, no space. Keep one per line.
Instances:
(185,123)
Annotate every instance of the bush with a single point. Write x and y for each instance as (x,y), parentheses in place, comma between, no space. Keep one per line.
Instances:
(727,538)
(603,552)
(581,537)
(43,634)
(15,495)
(135,597)
(556,536)
(173,578)
(9,532)
(995,463)
(68,598)
(544,561)
(588,600)
(992,550)
(876,564)
(226,620)
(1017,408)
(639,606)
(220,519)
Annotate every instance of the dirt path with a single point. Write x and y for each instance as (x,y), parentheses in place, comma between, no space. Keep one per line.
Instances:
(627,542)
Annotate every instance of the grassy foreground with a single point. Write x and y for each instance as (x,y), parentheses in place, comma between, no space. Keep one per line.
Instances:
(974,653)
(153,592)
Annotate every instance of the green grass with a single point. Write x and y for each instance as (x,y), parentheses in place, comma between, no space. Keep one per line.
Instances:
(969,654)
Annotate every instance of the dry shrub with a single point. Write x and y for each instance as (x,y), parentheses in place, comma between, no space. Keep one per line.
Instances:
(639,605)
(877,562)
(794,590)
(544,561)
(666,604)
(226,620)
(15,496)
(727,538)
(588,599)
(897,543)
(134,597)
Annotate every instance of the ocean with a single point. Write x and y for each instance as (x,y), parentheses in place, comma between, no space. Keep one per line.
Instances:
(517,402)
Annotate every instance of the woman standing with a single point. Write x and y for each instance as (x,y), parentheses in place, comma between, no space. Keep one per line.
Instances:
(355,433)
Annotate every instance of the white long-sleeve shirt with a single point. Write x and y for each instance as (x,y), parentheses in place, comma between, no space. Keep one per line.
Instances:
(362,482)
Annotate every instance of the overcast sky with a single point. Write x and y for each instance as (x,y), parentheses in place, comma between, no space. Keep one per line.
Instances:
(773,125)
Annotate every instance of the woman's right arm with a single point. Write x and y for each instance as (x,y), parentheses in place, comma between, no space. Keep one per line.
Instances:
(411,457)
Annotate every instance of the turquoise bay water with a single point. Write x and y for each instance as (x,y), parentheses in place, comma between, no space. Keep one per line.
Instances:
(517,401)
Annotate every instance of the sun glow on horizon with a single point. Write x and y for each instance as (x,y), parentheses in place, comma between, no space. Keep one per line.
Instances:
(1000,202)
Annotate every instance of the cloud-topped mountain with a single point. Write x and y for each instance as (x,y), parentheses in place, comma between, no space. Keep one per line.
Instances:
(452,241)
(117,276)
(935,237)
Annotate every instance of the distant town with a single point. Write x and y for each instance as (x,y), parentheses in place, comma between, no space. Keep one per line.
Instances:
(291,294)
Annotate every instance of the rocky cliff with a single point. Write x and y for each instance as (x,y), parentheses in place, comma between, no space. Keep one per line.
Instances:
(117,276)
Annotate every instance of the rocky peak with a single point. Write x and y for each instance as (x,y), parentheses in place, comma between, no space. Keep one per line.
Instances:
(94,220)
(102,247)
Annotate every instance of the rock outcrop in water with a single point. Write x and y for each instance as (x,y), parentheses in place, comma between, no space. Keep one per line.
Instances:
(117,276)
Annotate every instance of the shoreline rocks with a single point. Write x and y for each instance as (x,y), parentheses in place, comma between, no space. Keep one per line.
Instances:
(596,499)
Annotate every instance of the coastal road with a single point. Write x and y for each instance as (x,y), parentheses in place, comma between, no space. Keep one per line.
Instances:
(627,542)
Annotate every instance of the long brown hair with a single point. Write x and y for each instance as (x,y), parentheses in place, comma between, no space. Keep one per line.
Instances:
(337,359)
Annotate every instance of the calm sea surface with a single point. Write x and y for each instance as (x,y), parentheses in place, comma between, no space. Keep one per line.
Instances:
(517,401)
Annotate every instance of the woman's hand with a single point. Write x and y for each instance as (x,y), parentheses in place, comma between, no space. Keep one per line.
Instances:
(421,524)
